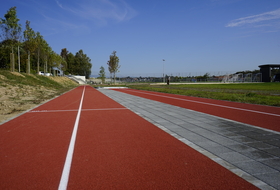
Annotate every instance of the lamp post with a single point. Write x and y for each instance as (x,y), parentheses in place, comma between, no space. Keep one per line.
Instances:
(163,70)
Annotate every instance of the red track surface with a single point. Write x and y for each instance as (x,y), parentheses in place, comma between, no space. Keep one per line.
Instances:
(114,149)
(262,116)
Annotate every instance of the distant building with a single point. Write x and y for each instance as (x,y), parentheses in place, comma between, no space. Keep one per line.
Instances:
(58,71)
(266,71)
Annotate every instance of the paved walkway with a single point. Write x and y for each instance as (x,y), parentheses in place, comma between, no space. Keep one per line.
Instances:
(250,152)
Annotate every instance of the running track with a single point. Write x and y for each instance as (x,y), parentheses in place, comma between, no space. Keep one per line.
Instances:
(85,140)
(262,116)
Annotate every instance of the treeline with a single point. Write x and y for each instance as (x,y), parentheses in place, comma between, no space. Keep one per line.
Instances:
(28,51)
(78,64)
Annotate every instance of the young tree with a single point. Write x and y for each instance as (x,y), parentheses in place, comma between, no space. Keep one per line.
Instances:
(11,31)
(113,65)
(29,42)
(39,43)
(10,26)
(102,74)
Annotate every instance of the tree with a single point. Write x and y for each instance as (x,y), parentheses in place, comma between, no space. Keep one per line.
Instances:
(39,43)
(70,59)
(82,64)
(4,54)
(46,51)
(102,74)
(10,26)
(113,65)
(57,61)
(11,31)
(29,42)
(64,54)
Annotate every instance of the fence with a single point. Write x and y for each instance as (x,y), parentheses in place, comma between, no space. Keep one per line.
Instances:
(191,77)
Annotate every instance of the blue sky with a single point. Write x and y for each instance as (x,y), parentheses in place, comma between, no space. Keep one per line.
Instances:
(192,36)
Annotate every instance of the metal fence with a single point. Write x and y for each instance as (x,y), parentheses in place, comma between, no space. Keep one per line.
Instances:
(191,77)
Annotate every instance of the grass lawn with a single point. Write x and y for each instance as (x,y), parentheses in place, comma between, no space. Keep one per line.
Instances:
(253,93)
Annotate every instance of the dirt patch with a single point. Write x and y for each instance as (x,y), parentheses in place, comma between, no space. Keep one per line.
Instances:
(3,77)
(64,81)
(16,99)
(18,74)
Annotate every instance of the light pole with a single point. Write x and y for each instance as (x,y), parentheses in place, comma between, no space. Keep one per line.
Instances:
(163,70)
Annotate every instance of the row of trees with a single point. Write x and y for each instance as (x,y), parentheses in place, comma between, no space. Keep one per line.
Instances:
(28,50)
(78,64)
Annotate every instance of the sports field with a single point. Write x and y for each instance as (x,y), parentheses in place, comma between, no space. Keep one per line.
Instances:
(253,93)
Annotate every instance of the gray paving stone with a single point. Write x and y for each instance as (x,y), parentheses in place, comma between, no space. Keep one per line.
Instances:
(240,147)
(273,142)
(244,139)
(258,155)
(218,150)
(260,145)
(270,178)
(273,151)
(234,157)
(255,168)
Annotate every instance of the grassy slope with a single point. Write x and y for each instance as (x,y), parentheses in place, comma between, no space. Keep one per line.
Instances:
(57,85)
(32,80)
(254,93)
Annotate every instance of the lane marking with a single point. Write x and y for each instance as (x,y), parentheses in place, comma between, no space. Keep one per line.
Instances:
(105,109)
(42,111)
(98,109)
(217,105)
(67,165)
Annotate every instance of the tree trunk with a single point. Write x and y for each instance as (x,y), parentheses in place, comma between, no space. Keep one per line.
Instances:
(114,78)
(38,64)
(28,65)
(18,60)
(12,62)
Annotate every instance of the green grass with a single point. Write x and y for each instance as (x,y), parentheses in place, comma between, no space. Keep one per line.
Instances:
(31,80)
(253,93)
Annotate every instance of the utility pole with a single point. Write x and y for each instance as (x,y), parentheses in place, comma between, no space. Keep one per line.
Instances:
(18,60)
(163,71)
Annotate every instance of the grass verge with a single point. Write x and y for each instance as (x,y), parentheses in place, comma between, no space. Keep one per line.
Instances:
(253,93)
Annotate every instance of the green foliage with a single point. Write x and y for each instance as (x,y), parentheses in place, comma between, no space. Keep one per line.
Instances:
(5,51)
(70,59)
(10,35)
(36,49)
(80,64)
(113,64)
(102,74)
(10,26)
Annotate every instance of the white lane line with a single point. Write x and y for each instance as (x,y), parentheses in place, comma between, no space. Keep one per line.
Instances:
(105,109)
(42,111)
(67,165)
(217,105)
(98,109)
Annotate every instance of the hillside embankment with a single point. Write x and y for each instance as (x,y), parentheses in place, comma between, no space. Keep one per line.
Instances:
(20,92)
